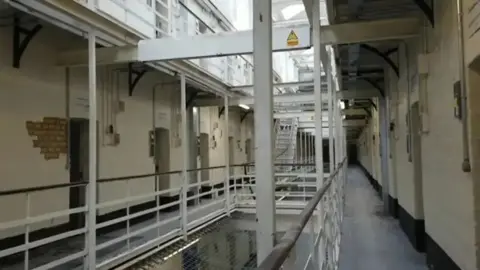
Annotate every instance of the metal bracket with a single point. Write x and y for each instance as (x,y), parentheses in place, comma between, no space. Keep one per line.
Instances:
(222,110)
(369,113)
(245,115)
(383,56)
(427,10)
(375,85)
(192,98)
(134,77)
(373,104)
(393,50)
(19,45)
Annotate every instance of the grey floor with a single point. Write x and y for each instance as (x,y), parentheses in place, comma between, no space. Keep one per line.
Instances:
(371,240)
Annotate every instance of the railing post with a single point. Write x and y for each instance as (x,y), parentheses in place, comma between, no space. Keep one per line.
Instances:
(226,184)
(92,149)
(27,232)
(184,193)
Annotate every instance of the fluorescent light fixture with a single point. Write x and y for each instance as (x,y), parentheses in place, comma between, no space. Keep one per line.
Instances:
(344,116)
(342,105)
(244,106)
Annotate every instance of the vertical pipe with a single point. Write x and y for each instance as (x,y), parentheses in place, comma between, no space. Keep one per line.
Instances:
(183,106)
(466,167)
(263,89)
(227,157)
(92,150)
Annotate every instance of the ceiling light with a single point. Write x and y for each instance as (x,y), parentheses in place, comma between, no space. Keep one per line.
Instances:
(244,106)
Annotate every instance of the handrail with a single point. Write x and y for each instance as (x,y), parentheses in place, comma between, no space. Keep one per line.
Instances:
(280,251)
(121,178)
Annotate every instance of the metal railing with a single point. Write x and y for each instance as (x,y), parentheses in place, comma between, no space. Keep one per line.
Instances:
(323,239)
(134,214)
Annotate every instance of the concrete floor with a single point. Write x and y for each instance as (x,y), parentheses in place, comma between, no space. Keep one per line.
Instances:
(371,240)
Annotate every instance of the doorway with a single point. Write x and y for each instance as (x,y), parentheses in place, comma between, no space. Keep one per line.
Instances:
(249,150)
(204,156)
(162,158)
(416,150)
(79,170)
(231,154)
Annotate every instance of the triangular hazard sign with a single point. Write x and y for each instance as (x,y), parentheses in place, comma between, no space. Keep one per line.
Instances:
(292,39)
(292,36)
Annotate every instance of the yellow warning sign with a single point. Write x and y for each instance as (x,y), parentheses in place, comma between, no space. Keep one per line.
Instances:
(292,39)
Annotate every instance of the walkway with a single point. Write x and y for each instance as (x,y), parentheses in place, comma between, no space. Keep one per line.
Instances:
(371,240)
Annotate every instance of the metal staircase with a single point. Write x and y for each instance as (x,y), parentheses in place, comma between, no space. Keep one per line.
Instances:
(285,141)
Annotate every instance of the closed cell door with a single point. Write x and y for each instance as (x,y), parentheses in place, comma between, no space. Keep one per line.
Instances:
(204,156)
(231,154)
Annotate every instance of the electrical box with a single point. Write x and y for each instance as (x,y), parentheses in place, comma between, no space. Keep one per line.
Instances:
(422,64)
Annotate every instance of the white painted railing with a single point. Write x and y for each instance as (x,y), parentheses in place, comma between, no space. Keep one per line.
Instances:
(132,220)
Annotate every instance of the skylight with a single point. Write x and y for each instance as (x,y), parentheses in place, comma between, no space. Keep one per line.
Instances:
(292,11)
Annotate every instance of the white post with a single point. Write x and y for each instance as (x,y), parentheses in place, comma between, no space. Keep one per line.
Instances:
(227,158)
(300,156)
(317,86)
(183,106)
(92,151)
(330,118)
(263,89)
(304,159)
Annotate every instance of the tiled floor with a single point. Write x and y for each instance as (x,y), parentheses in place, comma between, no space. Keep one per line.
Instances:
(371,240)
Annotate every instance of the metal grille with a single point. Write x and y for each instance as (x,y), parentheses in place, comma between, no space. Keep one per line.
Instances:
(220,246)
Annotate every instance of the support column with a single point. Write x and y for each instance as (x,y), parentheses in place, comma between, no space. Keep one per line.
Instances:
(300,145)
(263,91)
(183,106)
(226,184)
(384,140)
(92,152)
(317,87)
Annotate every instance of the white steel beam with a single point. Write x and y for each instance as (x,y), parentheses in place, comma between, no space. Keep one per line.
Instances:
(358,94)
(378,30)
(291,98)
(346,123)
(220,44)
(240,42)
(354,111)
(263,77)
(283,84)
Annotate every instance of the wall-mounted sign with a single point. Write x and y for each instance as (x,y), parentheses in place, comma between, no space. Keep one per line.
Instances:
(292,39)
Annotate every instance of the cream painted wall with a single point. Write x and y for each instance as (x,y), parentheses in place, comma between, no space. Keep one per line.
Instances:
(215,126)
(367,148)
(37,90)
(447,190)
